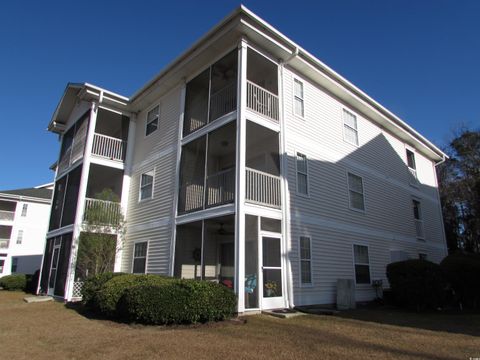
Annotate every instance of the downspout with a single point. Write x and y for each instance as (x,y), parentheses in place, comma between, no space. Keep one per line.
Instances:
(444,158)
(286,194)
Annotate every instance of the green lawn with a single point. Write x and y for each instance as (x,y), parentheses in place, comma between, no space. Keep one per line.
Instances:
(52,331)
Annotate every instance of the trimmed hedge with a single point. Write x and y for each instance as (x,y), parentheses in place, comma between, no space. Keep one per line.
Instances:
(178,302)
(111,291)
(14,282)
(462,271)
(417,283)
(92,286)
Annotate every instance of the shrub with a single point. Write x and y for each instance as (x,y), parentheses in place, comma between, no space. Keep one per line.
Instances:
(463,274)
(14,282)
(92,286)
(417,283)
(178,302)
(111,291)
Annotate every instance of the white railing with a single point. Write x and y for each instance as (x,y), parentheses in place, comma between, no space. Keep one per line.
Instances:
(221,187)
(263,188)
(108,147)
(7,215)
(191,196)
(419,229)
(4,243)
(262,101)
(223,101)
(102,212)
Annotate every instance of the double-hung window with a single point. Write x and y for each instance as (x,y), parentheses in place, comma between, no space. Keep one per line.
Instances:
(24,210)
(355,190)
(152,120)
(411,162)
(305,260)
(140,257)
(422,256)
(14,264)
(302,174)
(350,127)
(299,103)
(362,264)
(417,215)
(20,236)
(146,186)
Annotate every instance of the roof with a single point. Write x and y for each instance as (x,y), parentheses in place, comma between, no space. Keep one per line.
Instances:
(32,193)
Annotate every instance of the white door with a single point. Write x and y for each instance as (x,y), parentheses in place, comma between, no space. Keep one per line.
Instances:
(53,268)
(271,273)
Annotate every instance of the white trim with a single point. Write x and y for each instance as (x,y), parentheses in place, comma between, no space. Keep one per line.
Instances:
(301,283)
(263,211)
(354,263)
(262,120)
(107,162)
(204,214)
(302,82)
(208,128)
(364,210)
(146,255)
(344,109)
(148,173)
(307,195)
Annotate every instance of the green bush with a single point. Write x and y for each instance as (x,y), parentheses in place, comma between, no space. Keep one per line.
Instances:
(14,282)
(417,283)
(178,302)
(463,274)
(92,286)
(111,291)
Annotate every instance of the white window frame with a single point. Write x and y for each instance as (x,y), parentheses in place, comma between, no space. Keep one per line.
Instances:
(344,110)
(152,174)
(420,220)
(412,171)
(355,263)
(294,97)
(307,195)
(157,118)
(24,210)
(305,284)
(363,193)
(20,234)
(146,255)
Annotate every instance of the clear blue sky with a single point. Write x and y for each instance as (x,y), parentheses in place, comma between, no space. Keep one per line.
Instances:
(420,59)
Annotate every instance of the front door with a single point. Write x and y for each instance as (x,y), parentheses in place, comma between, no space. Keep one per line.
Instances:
(272,278)
(53,267)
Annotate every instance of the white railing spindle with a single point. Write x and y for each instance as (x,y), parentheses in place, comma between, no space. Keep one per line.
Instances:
(262,101)
(262,188)
(109,147)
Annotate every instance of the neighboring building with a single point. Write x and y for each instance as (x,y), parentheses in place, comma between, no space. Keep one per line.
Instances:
(23,224)
(247,162)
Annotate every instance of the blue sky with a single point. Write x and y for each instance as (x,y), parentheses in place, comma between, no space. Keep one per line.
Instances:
(420,59)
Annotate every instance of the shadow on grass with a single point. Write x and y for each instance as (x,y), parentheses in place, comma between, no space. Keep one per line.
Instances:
(465,322)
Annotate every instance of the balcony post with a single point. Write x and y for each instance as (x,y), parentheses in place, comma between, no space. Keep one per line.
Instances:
(240,176)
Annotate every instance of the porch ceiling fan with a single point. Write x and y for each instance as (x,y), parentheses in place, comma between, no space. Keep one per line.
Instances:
(222,231)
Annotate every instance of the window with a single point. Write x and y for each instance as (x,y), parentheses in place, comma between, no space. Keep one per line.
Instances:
(24,210)
(152,120)
(305,260)
(411,162)
(362,264)
(422,256)
(417,215)
(302,174)
(140,258)
(14,265)
(350,129)
(2,263)
(146,186)
(19,236)
(355,189)
(299,107)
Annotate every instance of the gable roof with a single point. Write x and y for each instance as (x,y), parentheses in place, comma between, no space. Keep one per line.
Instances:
(31,193)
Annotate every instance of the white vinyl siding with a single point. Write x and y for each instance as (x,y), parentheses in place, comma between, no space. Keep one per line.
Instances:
(146,186)
(24,210)
(418,218)
(355,189)
(298,98)
(350,127)
(140,257)
(302,174)
(152,120)
(362,264)
(305,261)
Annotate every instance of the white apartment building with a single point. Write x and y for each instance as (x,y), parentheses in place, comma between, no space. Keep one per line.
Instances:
(249,162)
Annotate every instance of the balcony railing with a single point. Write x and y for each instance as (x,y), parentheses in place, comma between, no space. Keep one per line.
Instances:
(102,212)
(263,188)
(262,101)
(221,188)
(109,147)
(4,243)
(223,101)
(419,229)
(7,215)
(191,196)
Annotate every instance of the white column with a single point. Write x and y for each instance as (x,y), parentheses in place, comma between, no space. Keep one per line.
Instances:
(82,190)
(240,176)
(127,175)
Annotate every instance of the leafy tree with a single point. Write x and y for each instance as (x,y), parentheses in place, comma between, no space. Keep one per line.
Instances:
(102,235)
(459,180)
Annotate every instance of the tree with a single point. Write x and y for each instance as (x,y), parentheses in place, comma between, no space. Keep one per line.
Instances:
(102,235)
(459,182)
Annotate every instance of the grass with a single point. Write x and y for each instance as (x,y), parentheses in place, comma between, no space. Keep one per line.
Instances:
(53,331)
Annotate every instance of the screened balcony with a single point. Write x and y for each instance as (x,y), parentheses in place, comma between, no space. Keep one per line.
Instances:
(73,144)
(110,138)
(207,172)
(212,94)
(5,234)
(7,210)
(262,86)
